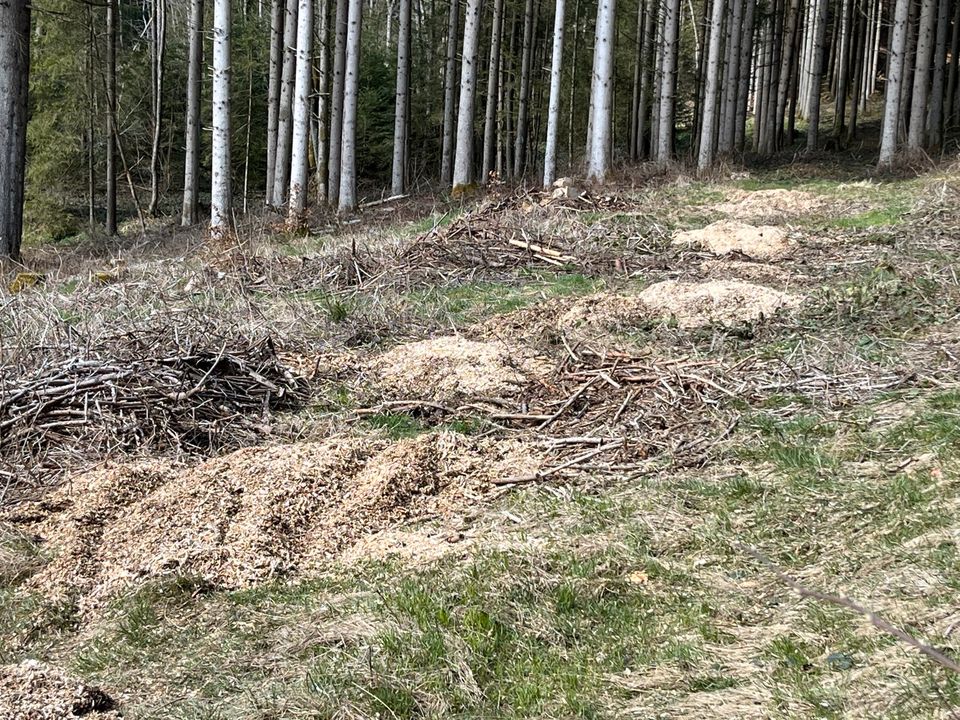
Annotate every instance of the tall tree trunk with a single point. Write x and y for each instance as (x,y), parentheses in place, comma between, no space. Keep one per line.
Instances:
(14,88)
(787,68)
(921,76)
(950,108)
(334,160)
(523,101)
(816,76)
(859,61)
(711,95)
(300,153)
(935,115)
(463,160)
(843,62)
(646,77)
(91,125)
(191,175)
(573,80)
(221,193)
(111,223)
(667,102)
(323,102)
(398,179)
(891,108)
(637,74)
(727,133)
(158,51)
(745,73)
(493,79)
(281,177)
(273,88)
(351,88)
(553,112)
(449,95)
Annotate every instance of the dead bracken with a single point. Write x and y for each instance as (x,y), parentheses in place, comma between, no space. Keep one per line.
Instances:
(724,237)
(255,514)
(33,690)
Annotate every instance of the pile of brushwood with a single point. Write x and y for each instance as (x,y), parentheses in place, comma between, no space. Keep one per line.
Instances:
(158,393)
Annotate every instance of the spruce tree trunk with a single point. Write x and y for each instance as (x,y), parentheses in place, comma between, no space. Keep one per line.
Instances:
(273,90)
(891,108)
(191,176)
(281,177)
(323,102)
(300,151)
(573,80)
(949,105)
(668,73)
(449,95)
(860,60)
(523,101)
(637,73)
(159,49)
(786,69)
(347,200)
(553,112)
(843,61)
(463,160)
(727,134)
(711,96)
(111,223)
(816,76)
(921,76)
(646,78)
(401,110)
(14,88)
(493,87)
(221,193)
(746,72)
(935,114)
(334,158)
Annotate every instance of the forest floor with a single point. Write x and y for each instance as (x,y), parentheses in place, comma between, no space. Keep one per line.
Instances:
(543,458)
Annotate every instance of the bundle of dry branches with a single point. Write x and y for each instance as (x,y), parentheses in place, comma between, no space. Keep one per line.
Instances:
(173,399)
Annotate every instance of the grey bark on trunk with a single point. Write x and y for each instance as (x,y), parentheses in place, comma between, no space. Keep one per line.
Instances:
(14,88)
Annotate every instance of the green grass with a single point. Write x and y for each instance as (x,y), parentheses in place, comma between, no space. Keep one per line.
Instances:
(476,301)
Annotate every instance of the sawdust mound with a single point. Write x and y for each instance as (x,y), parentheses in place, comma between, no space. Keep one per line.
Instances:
(32,690)
(452,368)
(773,204)
(255,514)
(730,236)
(724,302)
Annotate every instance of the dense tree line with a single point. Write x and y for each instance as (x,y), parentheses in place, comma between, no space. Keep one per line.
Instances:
(161,106)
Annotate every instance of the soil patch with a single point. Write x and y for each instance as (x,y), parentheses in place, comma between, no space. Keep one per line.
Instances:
(774,204)
(32,690)
(450,369)
(255,514)
(765,243)
(724,302)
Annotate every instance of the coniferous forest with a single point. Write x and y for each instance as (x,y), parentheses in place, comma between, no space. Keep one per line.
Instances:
(140,107)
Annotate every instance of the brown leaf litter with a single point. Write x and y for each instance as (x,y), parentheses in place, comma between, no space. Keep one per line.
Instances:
(724,302)
(255,514)
(773,204)
(453,368)
(32,690)
(724,237)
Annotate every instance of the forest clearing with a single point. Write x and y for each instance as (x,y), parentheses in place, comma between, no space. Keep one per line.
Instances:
(461,359)
(513,461)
